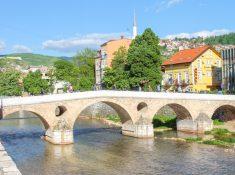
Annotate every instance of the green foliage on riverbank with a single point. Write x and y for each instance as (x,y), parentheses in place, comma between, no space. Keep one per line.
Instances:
(114,118)
(222,137)
(217,122)
(164,121)
(193,139)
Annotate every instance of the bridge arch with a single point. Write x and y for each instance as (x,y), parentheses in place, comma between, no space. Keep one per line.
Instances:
(122,112)
(224,113)
(42,119)
(181,112)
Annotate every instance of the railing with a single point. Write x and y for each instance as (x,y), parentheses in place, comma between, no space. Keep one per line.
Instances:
(113,94)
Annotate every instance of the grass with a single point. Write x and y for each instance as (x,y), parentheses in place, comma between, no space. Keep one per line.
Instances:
(218,122)
(193,139)
(164,121)
(216,142)
(222,137)
(114,118)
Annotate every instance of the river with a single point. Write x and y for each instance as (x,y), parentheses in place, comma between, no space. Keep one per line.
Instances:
(99,149)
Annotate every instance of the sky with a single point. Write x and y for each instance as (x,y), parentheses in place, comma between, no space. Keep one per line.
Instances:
(63,27)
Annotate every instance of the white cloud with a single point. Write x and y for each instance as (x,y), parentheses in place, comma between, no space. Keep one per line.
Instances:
(204,34)
(173,2)
(93,40)
(2,46)
(165,4)
(21,49)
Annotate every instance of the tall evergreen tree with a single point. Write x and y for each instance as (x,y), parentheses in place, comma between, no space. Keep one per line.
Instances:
(144,61)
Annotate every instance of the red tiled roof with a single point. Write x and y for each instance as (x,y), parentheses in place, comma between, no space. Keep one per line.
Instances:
(186,56)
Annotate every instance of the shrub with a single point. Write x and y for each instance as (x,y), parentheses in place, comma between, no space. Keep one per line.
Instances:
(114,118)
(218,122)
(162,120)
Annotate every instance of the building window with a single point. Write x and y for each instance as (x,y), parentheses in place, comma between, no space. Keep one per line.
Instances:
(208,62)
(208,74)
(103,55)
(170,80)
(186,77)
(199,72)
(219,76)
(179,78)
(199,63)
(218,63)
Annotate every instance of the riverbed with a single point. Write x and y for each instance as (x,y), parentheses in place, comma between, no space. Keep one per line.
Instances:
(99,149)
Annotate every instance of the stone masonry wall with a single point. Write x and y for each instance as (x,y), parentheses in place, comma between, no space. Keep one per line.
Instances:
(7,165)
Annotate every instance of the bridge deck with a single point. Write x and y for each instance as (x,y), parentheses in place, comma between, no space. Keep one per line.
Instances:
(12,101)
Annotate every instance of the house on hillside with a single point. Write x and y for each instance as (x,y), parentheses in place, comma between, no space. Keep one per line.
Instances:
(194,70)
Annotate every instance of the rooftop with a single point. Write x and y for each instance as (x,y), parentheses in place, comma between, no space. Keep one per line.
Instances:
(187,55)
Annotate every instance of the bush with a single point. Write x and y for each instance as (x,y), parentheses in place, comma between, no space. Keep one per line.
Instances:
(220,131)
(162,120)
(114,118)
(218,122)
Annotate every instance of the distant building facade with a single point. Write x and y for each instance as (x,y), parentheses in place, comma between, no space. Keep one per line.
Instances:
(228,56)
(195,70)
(106,54)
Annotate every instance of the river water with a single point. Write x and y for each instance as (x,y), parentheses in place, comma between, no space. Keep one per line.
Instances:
(102,150)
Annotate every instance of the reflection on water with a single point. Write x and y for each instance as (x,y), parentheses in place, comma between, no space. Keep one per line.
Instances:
(102,150)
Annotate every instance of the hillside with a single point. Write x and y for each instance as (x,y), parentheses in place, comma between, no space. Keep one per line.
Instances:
(228,39)
(35,59)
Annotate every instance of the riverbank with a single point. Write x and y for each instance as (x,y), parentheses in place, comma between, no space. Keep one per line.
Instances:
(7,165)
(106,121)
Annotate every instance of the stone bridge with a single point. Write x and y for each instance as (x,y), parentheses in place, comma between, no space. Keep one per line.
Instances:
(59,112)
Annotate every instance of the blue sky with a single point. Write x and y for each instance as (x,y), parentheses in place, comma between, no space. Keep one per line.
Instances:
(61,27)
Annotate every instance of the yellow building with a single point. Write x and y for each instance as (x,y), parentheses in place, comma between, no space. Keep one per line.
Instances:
(195,70)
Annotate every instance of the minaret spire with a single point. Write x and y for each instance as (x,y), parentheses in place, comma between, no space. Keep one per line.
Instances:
(135,32)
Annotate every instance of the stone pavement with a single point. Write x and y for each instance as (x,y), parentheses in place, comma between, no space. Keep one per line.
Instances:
(7,165)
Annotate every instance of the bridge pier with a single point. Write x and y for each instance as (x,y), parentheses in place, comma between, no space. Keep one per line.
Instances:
(60,134)
(141,129)
(59,137)
(196,126)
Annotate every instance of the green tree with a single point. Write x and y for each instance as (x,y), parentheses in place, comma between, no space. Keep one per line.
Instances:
(116,77)
(85,60)
(10,83)
(144,61)
(67,71)
(35,85)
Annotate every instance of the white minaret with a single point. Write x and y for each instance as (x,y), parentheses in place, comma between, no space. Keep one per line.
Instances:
(135,32)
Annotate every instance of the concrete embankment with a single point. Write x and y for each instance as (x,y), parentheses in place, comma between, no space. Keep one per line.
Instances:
(7,165)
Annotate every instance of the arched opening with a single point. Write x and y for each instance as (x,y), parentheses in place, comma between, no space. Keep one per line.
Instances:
(22,124)
(142,107)
(168,115)
(100,115)
(224,117)
(26,115)
(60,110)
